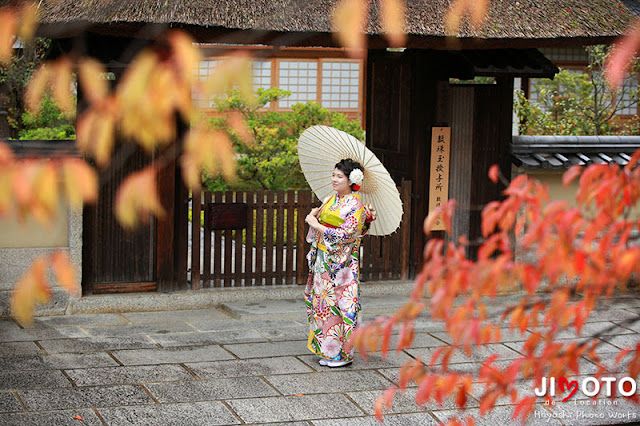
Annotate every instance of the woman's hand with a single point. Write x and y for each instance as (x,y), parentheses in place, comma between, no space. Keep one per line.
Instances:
(312,220)
(315,212)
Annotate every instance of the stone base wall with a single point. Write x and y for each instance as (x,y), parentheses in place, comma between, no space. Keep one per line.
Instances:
(15,261)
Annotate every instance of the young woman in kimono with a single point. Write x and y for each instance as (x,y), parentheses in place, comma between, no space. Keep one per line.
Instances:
(332,292)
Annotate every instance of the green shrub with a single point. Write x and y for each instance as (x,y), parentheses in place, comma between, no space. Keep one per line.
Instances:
(271,161)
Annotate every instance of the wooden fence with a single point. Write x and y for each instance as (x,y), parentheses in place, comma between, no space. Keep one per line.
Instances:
(253,239)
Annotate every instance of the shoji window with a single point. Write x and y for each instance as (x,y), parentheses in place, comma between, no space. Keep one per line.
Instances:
(300,77)
(340,85)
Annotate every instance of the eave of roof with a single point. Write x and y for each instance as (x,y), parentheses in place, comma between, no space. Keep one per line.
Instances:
(561,152)
(294,22)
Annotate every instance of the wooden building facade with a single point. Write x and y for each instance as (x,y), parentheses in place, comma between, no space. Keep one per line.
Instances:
(406,95)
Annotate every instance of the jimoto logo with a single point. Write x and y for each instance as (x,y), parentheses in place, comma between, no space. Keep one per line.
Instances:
(590,386)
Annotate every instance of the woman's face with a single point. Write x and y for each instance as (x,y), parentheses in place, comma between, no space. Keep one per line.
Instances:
(340,182)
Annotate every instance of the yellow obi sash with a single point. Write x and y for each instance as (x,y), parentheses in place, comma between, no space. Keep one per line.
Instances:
(330,218)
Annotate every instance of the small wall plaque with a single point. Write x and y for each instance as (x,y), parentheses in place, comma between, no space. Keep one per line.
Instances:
(228,215)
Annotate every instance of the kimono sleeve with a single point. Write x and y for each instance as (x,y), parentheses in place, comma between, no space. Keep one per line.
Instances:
(352,213)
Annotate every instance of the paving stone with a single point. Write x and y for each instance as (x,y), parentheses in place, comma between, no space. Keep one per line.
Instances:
(33,379)
(473,368)
(373,362)
(593,328)
(393,374)
(248,324)
(623,302)
(268,349)
(470,368)
(139,329)
(500,415)
(79,320)
(171,316)
(328,382)
(7,325)
(266,308)
(57,361)
(386,303)
(635,327)
(609,363)
(294,408)
(19,348)
(246,368)
(9,403)
(420,340)
(31,334)
(299,332)
(285,424)
(172,355)
(403,402)
(96,344)
(84,397)
(603,348)
(609,314)
(208,338)
(524,388)
(128,375)
(479,353)
(623,341)
(416,419)
(506,335)
(52,418)
(425,324)
(211,390)
(190,414)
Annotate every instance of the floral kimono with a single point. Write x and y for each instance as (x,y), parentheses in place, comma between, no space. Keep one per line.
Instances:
(332,292)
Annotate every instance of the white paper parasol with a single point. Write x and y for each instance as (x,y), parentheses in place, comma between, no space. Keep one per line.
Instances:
(321,147)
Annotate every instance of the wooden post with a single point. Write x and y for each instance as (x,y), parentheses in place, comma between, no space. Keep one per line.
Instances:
(303,207)
(259,237)
(249,271)
(196,203)
(405,251)
(280,210)
(290,235)
(206,259)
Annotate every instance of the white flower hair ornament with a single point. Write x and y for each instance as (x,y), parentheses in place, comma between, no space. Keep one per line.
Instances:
(355,177)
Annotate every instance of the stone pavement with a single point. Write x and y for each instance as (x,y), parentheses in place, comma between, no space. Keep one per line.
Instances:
(247,363)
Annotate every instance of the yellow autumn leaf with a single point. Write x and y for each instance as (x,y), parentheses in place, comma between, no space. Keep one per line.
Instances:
(478,12)
(80,182)
(135,80)
(7,33)
(6,154)
(232,72)
(393,21)
(236,121)
(104,138)
(28,21)
(191,171)
(91,75)
(349,24)
(46,191)
(62,69)
(187,54)
(137,198)
(64,272)
(32,289)
(22,181)
(36,88)
(453,17)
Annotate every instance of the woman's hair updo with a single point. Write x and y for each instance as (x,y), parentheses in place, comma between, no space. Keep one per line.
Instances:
(346,166)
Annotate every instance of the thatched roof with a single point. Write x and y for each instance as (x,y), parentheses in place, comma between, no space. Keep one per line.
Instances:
(307,22)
